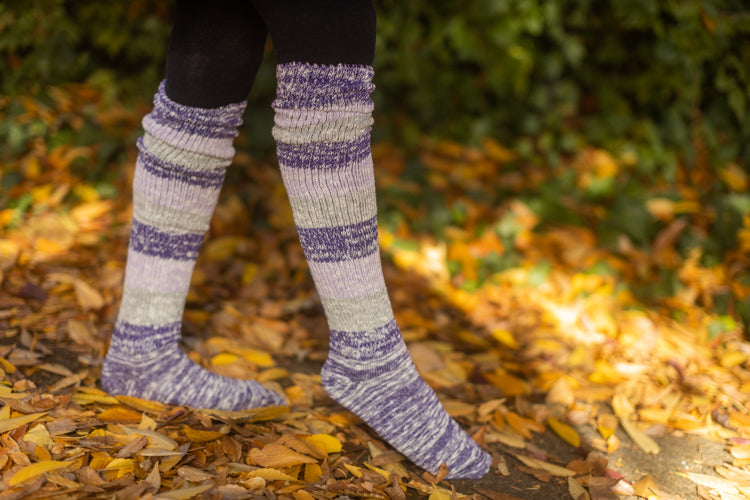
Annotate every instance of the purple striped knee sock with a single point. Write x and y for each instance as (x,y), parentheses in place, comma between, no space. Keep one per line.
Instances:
(183,157)
(323,119)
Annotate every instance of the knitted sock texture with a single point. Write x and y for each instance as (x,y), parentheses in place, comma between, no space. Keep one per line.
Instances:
(322,130)
(182,160)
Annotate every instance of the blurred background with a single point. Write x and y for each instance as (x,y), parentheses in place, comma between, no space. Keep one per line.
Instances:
(629,118)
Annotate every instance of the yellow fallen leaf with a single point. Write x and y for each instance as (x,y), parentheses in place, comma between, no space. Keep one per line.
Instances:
(566,432)
(141,404)
(605,374)
(513,440)
(508,384)
(732,358)
(270,475)
(147,423)
(220,248)
(714,482)
(644,442)
(186,493)
(224,359)
(497,151)
(272,374)
(86,192)
(277,455)
(251,415)
(87,399)
(456,408)
(120,463)
(16,422)
(742,451)
(607,424)
(441,494)
(34,470)
(87,296)
(354,470)
(325,442)
(90,211)
(99,460)
(661,208)
(303,495)
(7,366)
(735,177)
(522,425)
(560,392)
(201,436)
(553,469)
(81,334)
(312,472)
(378,470)
(119,415)
(41,193)
(157,439)
(39,436)
(249,273)
(504,337)
(645,486)
(256,357)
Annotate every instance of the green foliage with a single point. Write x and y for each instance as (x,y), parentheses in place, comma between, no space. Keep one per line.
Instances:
(656,77)
(49,42)
(665,81)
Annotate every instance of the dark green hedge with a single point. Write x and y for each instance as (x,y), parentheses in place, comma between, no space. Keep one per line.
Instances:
(657,78)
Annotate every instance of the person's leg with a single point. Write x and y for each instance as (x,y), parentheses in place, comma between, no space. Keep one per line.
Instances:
(322,129)
(214,53)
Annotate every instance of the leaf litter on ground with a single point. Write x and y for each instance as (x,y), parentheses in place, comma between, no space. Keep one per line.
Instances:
(524,326)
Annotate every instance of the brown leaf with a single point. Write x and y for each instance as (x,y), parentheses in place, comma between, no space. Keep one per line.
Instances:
(87,296)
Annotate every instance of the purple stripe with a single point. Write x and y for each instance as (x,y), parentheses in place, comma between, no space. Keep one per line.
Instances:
(155,335)
(365,346)
(392,367)
(302,85)
(209,178)
(328,155)
(148,240)
(175,195)
(334,244)
(207,122)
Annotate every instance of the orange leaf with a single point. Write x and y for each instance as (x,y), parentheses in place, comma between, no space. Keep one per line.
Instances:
(522,425)
(277,455)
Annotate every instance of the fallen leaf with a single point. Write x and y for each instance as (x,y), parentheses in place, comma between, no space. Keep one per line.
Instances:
(34,470)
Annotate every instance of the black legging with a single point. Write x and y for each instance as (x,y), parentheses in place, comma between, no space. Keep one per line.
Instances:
(217,46)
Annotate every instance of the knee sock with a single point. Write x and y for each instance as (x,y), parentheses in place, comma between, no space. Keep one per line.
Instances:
(322,130)
(182,159)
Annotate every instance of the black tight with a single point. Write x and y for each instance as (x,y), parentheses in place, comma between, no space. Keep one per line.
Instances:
(217,46)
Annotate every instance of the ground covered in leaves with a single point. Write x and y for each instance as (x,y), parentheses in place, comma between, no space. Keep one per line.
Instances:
(521,304)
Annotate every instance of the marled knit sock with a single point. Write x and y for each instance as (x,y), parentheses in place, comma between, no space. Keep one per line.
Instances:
(323,120)
(183,157)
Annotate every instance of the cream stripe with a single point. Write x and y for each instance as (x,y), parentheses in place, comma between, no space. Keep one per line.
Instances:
(345,129)
(143,308)
(348,279)
(169,218)
(342,210)
(358,314)
(187,159)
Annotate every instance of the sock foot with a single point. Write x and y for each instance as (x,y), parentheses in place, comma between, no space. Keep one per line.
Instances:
(385,390)
(167,375)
